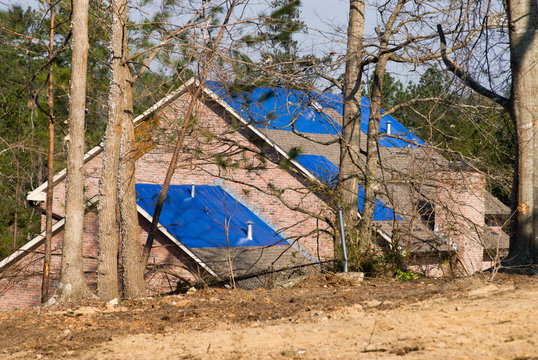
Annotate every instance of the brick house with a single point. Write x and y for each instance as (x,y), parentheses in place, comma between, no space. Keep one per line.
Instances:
(254,184)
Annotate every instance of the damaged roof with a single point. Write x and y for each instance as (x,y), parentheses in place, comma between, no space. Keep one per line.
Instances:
(205,216)
(327,172)
(304,111)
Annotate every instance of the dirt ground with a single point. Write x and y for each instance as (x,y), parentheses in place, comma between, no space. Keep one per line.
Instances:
(321,317)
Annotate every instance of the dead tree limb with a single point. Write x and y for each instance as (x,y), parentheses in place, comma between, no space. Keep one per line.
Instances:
(466,78)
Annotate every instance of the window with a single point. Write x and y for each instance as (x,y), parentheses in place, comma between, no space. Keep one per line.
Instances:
(427,213)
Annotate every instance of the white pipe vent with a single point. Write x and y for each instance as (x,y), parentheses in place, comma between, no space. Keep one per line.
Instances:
(249,230)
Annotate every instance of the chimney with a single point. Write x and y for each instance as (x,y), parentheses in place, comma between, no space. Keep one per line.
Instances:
(249,230)
(389,128)
(193,189)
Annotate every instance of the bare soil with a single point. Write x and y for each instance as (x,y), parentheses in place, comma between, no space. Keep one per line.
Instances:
(321,317)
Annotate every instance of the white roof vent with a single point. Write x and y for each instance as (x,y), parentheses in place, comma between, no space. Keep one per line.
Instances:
(249,230)
(316,105)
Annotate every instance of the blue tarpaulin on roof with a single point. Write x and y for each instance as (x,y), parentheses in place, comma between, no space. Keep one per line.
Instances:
(202,221)
(286,109)
(326,171)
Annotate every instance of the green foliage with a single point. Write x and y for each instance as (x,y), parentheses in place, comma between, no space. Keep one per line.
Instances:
(401,275)
(22,126)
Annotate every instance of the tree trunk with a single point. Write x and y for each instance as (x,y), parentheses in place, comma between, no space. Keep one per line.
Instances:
(45,286)
(371,183)
(72,283)
(17,190)
(522,16)
(348,178)
(109,229)
(133,267)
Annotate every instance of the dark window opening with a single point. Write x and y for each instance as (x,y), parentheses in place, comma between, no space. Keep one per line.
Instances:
(427,213)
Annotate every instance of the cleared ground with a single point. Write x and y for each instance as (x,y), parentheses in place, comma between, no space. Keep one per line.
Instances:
(322,317)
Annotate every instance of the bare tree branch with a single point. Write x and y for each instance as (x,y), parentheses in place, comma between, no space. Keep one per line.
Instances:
(467,79)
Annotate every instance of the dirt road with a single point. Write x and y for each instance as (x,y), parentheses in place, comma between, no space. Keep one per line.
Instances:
(424,319)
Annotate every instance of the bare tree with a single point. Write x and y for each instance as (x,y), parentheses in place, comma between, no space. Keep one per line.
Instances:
(206,60)
(72,283)
(45,287)
(522,23)
(372,184)
(521,105)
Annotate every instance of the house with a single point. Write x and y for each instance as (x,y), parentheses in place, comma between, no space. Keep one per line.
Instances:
(252,190)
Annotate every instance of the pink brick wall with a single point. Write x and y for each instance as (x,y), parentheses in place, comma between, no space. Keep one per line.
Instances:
(459,214)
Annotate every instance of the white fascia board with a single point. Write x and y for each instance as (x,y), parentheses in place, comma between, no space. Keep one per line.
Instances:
(39,194)
(165,101)
(172,238)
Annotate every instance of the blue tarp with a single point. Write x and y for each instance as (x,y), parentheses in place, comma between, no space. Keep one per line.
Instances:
(286,109)
(327,172)
(202,221)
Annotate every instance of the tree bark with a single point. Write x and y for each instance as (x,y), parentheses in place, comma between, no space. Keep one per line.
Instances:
(348,178)
(371,183)
(131,249)
(133,267)
(72,283)
(522,17)
(109,228)
(45,286)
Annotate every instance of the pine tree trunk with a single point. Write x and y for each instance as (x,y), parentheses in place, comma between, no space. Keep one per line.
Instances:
(72,283)
(523,15)
(131,249)
(348,178)
(109,229)
(133,267)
